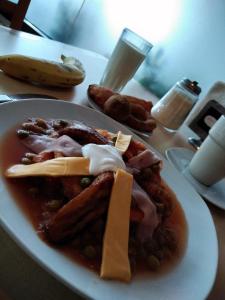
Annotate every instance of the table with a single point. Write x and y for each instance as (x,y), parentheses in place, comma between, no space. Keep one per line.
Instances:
(20,276)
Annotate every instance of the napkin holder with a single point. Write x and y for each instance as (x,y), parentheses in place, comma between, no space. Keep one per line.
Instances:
(213,107)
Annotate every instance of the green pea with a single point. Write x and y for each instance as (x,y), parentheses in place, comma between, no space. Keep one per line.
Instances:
(26,161)
(22,133)
(54,204)
(30,155)
(63,123)
(85,182)
(160,208)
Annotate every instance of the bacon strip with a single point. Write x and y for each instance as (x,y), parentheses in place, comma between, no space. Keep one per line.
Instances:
(150,220)
(144,159)
(63,144)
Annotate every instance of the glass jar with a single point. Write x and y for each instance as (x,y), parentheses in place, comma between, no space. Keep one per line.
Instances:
(173,108)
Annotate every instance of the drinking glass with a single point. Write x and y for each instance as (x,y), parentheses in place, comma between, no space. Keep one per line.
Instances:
(130,51)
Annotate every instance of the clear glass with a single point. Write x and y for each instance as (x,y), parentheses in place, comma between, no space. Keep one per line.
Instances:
(127,56)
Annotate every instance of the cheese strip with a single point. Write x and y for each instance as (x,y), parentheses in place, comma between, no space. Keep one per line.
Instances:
(61,166)
(115,261)
(122,141)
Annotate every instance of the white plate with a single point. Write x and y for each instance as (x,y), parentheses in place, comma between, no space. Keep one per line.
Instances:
(180,158)
(191,279)
(140,133)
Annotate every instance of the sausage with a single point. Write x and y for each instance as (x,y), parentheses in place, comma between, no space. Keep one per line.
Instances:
(149,125)
(139,112)
(117,107)
(65,224)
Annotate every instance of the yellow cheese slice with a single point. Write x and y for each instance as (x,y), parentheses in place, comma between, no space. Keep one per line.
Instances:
(115,261)
(123,141)
(62,166)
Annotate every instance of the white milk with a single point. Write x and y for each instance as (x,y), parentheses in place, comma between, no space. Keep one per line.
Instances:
(122,65)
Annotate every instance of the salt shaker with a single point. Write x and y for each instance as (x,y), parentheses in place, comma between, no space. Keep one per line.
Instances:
(173,108)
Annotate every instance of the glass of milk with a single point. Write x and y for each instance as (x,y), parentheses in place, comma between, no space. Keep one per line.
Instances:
(208,163)
(127,56)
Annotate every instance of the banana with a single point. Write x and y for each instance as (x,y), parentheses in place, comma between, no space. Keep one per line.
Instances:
(67,73)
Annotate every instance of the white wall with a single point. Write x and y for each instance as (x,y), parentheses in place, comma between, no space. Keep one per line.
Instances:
(197,47)
(189,35)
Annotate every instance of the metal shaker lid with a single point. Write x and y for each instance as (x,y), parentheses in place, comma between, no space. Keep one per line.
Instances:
(191,86)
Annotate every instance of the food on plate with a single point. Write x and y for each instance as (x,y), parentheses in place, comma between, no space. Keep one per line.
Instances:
(122,141)
(96,196)
(117,107)
(129,110)
(67,73)
(115,260)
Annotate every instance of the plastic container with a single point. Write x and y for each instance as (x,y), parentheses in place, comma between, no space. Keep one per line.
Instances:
(173,108)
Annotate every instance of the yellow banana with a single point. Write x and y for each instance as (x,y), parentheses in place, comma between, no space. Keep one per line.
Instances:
(67,73)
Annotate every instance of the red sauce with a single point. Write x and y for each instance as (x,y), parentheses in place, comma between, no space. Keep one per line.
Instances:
(11,151)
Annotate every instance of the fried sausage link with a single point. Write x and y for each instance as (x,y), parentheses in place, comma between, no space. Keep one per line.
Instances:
(65,224)
(83,134)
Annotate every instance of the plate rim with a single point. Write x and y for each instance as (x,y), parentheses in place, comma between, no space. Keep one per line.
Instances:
(117,124)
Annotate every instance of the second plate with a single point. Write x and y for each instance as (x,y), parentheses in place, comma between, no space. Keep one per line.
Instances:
(180,158)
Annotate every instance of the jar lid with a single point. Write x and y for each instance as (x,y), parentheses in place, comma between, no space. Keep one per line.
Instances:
(191,85)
